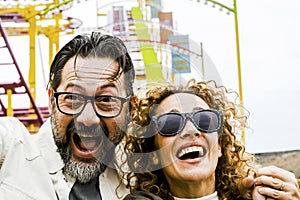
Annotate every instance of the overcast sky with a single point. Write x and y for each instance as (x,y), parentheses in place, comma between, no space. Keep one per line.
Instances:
(270,46)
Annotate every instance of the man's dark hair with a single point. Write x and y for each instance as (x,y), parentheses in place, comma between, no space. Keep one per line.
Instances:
(94,45)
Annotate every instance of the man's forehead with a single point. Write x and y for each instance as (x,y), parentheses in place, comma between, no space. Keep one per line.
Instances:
(91,85)
(98,66)
(91,74)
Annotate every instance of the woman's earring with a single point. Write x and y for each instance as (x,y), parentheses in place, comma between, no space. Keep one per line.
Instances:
(155,158)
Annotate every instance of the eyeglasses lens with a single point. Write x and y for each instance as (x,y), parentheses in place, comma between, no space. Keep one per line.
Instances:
(170,124)
(206,121)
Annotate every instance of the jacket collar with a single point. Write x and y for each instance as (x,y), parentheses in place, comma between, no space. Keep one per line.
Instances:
(48,148)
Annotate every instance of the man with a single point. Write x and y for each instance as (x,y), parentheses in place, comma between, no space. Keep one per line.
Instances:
(90,86)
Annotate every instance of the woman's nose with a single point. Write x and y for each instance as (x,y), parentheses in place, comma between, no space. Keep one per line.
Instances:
(189,130)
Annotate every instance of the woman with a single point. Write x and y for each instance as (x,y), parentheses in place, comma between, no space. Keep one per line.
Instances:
(195,152)
(183,145)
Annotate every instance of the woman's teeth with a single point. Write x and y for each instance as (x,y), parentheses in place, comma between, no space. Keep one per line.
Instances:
(191,152)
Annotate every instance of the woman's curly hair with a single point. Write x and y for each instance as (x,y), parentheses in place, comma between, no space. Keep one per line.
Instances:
(233,165)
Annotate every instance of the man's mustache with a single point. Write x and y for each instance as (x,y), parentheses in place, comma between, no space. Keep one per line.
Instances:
(94,130)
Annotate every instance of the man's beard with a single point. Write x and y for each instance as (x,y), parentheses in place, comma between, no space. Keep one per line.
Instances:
(85,169)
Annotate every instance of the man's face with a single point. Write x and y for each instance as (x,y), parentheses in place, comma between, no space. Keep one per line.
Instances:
(85,141)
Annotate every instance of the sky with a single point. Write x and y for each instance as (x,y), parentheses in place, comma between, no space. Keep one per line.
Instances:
(269,33)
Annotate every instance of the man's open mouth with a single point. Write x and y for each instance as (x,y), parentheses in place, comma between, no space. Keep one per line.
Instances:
(86,143)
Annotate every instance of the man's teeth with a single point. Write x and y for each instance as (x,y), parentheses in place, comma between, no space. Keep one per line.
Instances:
(187,150)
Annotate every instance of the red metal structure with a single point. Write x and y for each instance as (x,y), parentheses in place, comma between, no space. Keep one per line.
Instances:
(31,115)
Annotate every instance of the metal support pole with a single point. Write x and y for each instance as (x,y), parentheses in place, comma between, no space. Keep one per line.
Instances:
(234,10)
(32,67)
(202,61)
(243,140)
(9,111)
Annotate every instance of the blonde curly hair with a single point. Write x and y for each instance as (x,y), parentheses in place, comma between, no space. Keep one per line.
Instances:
(233,165)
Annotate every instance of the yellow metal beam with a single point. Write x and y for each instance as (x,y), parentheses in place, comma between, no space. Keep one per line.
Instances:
(32,67)
(9,111)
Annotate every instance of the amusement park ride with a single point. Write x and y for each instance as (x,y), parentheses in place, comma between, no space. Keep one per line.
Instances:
(28,14)
(158,52)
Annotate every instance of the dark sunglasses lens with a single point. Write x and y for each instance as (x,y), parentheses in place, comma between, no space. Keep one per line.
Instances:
(169,124)
(207,121)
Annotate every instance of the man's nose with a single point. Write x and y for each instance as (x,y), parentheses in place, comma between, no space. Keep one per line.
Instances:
(88,115)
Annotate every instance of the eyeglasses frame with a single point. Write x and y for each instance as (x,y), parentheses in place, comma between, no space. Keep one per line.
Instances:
(189,115)
(92,100)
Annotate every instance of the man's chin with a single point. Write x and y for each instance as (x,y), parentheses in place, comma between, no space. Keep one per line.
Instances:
(83,170)
(85,160)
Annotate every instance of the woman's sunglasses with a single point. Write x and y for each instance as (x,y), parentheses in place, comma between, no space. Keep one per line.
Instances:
(207,121)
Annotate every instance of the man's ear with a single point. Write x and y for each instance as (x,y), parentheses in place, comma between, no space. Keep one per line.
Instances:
(50,95)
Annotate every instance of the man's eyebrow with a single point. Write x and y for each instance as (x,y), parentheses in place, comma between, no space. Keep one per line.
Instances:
(73,85)
(107,85)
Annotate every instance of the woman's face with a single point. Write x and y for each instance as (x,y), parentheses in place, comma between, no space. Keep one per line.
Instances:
(189,158)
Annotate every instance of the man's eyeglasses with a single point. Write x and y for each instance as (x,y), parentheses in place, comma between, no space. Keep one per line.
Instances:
(207,121)
(104,105)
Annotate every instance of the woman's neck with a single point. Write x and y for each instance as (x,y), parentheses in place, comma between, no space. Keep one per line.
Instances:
(213,196)
(192,189)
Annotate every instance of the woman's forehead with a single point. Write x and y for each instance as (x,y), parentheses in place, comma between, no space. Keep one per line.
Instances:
(181,102)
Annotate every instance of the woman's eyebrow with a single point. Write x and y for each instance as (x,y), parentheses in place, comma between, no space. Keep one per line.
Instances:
(174,110)
(198,108)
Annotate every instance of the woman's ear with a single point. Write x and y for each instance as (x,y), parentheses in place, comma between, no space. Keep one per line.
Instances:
(219,151)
